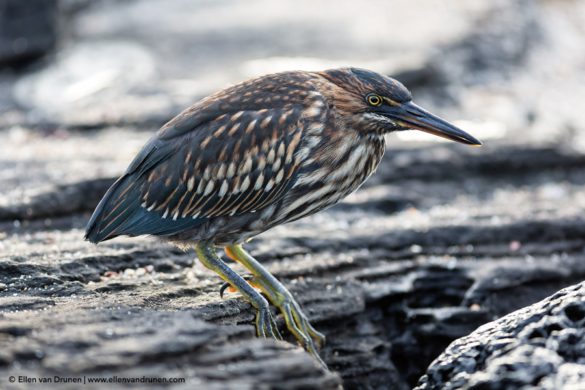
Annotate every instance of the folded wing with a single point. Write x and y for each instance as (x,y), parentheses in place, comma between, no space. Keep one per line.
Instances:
(194,170)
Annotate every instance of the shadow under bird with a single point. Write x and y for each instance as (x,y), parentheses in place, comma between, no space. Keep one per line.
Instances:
(255,155)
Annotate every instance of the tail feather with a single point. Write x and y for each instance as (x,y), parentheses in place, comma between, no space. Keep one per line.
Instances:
(120,213)
(119,203)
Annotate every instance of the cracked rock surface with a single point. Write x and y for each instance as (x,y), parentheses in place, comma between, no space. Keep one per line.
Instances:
(540,346)
(443,239)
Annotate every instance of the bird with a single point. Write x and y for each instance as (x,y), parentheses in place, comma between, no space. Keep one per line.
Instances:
(258,154)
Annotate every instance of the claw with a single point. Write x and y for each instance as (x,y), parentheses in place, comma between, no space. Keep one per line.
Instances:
(224,287)
(266,326)
(296,321)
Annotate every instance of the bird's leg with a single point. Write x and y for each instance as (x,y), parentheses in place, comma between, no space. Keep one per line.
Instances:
(279,296)
(228,287)
(265,324)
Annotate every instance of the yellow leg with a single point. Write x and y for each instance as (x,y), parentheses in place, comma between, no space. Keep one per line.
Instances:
(265,324)
(279,296)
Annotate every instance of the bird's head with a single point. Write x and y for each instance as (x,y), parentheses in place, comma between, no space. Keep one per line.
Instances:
(374,103)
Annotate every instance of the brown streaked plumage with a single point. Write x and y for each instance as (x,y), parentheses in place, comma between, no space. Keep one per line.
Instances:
(261,153)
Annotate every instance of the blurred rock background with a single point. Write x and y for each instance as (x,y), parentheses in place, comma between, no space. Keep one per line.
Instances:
(440,241)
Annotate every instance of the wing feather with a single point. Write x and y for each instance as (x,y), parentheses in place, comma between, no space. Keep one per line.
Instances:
(225,156)
(230,175)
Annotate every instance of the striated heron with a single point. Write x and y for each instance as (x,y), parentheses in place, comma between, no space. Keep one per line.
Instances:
(255,155)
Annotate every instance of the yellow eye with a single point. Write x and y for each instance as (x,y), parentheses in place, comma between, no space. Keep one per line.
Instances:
(374,100)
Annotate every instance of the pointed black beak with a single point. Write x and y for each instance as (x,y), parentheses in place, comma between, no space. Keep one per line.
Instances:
(412,116)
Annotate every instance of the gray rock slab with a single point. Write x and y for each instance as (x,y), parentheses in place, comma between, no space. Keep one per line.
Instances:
(391,283)
(440,241)
(132,343)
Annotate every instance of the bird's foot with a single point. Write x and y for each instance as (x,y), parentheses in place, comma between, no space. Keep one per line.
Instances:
(296,321)
(298,324)
(266,325)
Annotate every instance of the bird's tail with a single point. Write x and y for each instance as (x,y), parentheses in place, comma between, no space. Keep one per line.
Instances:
(120,213)
(114,212)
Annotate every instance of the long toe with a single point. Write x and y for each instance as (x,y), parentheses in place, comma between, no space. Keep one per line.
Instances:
(299,326)
(296,321)
(266,325)
(314,334)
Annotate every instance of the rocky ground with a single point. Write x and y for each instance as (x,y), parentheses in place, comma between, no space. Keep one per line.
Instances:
(442,240)
(540,346)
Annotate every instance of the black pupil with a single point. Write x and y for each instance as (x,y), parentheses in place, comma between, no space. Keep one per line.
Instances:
(374,100)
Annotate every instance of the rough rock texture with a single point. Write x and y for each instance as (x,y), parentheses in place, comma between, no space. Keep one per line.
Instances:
(129,342)
(539,347)
(441,240)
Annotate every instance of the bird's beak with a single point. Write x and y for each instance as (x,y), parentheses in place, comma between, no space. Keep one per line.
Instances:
(412,116)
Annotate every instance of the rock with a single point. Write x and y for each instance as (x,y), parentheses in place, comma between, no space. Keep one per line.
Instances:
(95,83)
(28,30)
(391,286)
(63,199)
(129,343)
(441,240)
(541,346)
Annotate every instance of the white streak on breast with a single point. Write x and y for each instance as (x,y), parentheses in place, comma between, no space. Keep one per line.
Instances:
(354,163)
(311,197)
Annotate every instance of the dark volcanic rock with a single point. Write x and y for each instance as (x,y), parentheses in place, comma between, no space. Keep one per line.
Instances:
(28,30)
(127,342)
(64,199)
(539,347)
(441,240)
(390,289)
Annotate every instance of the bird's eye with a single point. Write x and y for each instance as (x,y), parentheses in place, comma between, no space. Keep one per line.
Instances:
(374,100)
